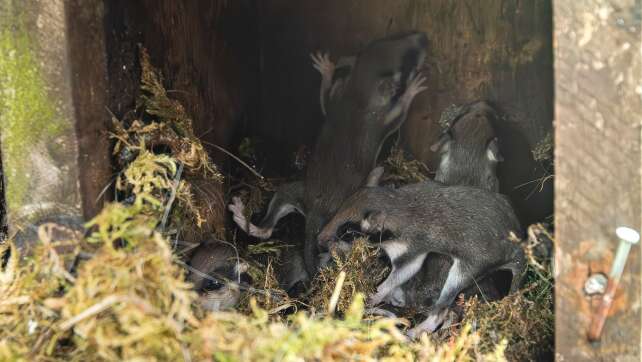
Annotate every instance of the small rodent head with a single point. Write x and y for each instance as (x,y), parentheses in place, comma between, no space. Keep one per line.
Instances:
(216,296)
(216,273)
(469,150)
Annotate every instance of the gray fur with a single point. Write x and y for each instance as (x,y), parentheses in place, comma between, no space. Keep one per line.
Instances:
(468,224)
(215,273)
(291,270)
(287,199)
(363,106)
(469,155)
(373,103)
(469,149)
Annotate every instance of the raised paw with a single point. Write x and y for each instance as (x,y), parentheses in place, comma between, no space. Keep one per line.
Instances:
(237,208)
(416,84)
(322,63)
(430,325)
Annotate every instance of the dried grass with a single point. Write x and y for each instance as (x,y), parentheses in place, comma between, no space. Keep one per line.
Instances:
(364,271)
(524,319)
(543,150)
(198,191)
(132,303)
(402,170)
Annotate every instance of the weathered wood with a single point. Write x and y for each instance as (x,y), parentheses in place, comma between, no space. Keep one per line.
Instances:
(37,123)
(597,181)
(498,50)
(87,54)
(207,52)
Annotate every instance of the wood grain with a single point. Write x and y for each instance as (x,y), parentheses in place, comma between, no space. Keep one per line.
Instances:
(597,181)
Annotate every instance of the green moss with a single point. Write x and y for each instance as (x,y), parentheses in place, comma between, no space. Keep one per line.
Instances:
(27,115)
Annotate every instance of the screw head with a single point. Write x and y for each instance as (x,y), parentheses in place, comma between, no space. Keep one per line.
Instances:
(596,284)
(627,234)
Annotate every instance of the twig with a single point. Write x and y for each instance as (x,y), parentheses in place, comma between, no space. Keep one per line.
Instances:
(186,355)
(241,286)
(480,291)
(335,294)
(172,197)
(113,116)
(93,310)
(236,158)
(113,179)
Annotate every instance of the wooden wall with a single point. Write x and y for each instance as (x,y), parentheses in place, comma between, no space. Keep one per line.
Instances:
(597,183)
(207,51)
(499,50)
(243,68)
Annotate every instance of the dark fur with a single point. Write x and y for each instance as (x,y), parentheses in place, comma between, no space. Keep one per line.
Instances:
(466,143)
(469,149)
(286,194)
(354,131)
(466,223)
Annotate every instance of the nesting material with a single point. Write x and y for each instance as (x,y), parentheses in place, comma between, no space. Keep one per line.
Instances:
(363,269)
(159,146)
(129,301)
(401,170)
(264,290)
(543,150)
(525,320)
(118,291)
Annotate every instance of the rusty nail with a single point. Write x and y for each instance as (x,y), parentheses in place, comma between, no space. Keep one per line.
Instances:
(627,238)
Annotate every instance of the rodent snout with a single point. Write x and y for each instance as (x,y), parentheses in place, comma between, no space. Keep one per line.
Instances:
(326,239)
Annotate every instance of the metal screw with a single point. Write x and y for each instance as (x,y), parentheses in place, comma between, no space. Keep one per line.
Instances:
(596,284)
(627,238)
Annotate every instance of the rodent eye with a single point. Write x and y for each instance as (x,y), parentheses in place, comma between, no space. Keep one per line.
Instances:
(212,285)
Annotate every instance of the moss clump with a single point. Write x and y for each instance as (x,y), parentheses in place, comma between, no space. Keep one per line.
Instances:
(128,303)
(401,170)
(543,150)
(27,115)
(234,337)
(28,288)
(524,319)
(127,300)
(163,162)
(363,272)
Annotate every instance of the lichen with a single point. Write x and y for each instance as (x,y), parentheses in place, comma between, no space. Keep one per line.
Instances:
(27,115)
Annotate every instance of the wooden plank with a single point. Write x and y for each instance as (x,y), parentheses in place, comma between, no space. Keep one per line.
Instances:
(597,181)
(38,137)
(88,59)
(207,52)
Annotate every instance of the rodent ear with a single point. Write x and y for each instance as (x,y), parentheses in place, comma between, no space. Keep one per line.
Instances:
(443,143)
(376,218)
(492,151)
